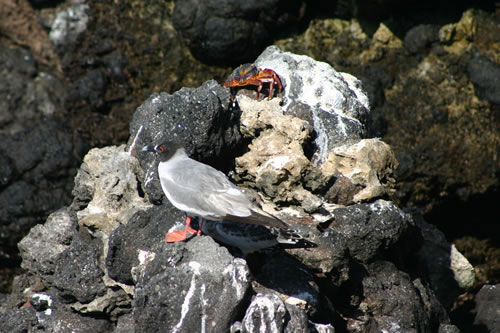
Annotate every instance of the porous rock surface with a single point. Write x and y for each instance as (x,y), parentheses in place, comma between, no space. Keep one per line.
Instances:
(109,269)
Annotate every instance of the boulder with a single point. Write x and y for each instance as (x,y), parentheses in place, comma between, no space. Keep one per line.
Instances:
(109,264)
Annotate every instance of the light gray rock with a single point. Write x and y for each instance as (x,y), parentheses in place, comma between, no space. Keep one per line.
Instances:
(43,246)
(277,163)
(488,307)
(69,24)
(107,182)
(367,165)
(266,313)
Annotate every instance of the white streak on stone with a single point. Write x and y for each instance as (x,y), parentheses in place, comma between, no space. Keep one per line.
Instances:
(239,274)
(324,328)
(355,85)
(195,266)
(132,146)
(149,178)
(266,307)
(204,304)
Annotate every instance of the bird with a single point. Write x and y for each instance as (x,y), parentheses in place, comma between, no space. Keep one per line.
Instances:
(250,238)
(202,191)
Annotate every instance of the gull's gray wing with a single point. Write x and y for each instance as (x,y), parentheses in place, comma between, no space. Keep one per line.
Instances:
(204,189)
(201,190)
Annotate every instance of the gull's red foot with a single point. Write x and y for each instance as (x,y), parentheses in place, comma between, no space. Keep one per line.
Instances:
(176,236)
(181,235)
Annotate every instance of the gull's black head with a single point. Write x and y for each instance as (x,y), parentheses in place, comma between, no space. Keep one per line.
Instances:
(164,150)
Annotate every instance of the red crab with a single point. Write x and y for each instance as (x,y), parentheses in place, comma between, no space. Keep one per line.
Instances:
(249,74)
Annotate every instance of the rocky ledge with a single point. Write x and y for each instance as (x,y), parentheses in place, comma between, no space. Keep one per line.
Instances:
(102,264)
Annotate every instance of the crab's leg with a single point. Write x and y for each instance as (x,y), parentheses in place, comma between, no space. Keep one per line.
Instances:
(271,86)
(259,89)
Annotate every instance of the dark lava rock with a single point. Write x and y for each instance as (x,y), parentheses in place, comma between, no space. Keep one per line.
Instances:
(38,156)
(435,263)
(16,66)
(232,32)
(330,258)
(91,87)
(486,77)
(78,275)
(48,315)
(65,320)
(37,172)
(137,235)
(18,320)
(26,95)
(397,303)
(274,272)
(44,3)
(448,328)
(199,119)
(376,229)
(420,37)
(203,285)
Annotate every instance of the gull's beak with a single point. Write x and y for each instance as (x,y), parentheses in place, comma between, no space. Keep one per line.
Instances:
(149,148)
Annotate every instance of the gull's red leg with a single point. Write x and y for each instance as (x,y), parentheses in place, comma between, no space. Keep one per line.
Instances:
(201,225)
(188,226)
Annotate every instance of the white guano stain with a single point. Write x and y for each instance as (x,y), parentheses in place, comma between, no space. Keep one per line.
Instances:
(195,267)
(266,307)
(276,163)
(132,146)
(239,274)
(149,178)
(323,89)
(145,257)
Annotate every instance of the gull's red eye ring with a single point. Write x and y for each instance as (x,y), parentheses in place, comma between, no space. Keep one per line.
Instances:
(160,148)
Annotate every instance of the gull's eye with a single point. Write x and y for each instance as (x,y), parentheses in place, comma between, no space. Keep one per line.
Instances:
(160,148)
